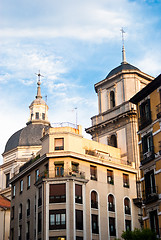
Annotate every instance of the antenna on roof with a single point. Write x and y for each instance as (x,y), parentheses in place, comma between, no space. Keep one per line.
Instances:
(123,48)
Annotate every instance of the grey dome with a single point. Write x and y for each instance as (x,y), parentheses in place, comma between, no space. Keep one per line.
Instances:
(123,66)
(27,136)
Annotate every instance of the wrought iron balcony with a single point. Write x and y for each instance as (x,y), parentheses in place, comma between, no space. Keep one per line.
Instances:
(145,120)
(158,110)
(147,156)
(150,195)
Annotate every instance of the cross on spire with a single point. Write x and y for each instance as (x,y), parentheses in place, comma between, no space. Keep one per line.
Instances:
(39,75)
(38,85)
(123,48)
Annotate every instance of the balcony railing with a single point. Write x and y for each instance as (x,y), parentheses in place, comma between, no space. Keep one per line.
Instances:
(111,207)
(158,110)
(94,204)
(150,195)
(145,120)
(66,173)
(127,210)
(147,156)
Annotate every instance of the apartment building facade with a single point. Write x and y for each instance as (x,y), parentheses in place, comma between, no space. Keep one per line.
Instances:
(148,102)
(74,189)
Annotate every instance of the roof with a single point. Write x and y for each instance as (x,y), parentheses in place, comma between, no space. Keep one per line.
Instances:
(27,136)
(4,202)
(120,68)
(146,90)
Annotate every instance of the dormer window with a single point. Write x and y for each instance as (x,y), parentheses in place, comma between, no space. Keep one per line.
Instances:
(37,115)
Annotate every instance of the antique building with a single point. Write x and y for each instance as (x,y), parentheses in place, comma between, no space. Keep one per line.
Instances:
(116,122)
(73,189)
(25,143)
(148,102)
(4,217)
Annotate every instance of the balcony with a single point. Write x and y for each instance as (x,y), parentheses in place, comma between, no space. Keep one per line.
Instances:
(158,110)
(111,207)
(150,195)
(147,156)
(145,120)
(65,173)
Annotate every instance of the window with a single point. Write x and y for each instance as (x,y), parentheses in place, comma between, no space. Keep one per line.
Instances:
(150,187)
(93,172)
(75,167)
(79,238)
(112,141)
(28,231)
(111,205)
(39,196)
(112,226)
(94,199)
(13,191)
(12,212)
(28,207)
(145,114)
(37,175)
(79,219)
(37,115)
(112,99)
(57,193)
(59,144)
(20,211)
(57,238)
(128,225)
(148,147)
(43,116)
(21,186)
(57,219)
(59,169)
(127,206)
(78,193)
(154,224)
(126,180)
(12,233)
(39,222)
(28,181)
(95,228)
(7,179)
(20,232)
(110,177)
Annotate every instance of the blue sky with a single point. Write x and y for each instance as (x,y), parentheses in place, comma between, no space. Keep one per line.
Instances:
(74,44)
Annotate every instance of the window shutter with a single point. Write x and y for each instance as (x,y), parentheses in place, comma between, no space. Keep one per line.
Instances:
(57,189)
(78,190)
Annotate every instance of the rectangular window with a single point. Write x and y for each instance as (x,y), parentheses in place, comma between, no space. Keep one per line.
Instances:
(110,177)
(37,175)
(150,187)
(79,238)
(20,232)
(21,186)
(128,225)
(112,226)
(57,219)
(37,115)
(93,172)
(12,212)
(59,169)
(39,222)
(13,191)
(39,196)
(79,219)
(126,180)
(12,233)
(43,116)
(75,167)
(28,231)
(145,114)
(7,179)
(154,223)
(57,193)
(78,193)
(28,181)
(59,144)
(95,223)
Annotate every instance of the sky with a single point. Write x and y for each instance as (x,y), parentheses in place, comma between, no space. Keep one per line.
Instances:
(74,44)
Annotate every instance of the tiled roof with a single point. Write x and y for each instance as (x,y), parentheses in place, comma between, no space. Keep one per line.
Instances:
(4,202)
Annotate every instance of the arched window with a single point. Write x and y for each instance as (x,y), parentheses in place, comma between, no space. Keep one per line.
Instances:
(20,211)
(28,207)
(112,140)
(94,199)
(111,204)
(127,206)
(112,99)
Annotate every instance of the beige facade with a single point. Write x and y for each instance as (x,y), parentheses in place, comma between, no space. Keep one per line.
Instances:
(79,189)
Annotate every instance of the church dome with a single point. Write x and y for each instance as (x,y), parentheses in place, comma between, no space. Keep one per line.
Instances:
(122,67)
(27,136)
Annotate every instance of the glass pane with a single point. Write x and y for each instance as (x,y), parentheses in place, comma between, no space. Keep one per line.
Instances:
(63,218)
(52,219)
(57,219)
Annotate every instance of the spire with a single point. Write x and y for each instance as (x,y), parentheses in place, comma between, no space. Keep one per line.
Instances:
(38,85)
(123,48)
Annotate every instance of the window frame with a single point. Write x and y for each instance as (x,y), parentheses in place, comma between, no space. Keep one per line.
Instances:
(126,181)
(93,172)
(110,176)
(28,181)
(21,186)
(57,146)
(59,219)
(94,220)
(79,219)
